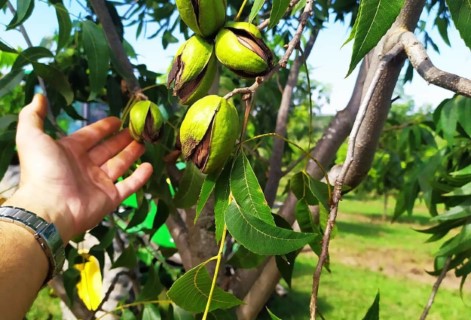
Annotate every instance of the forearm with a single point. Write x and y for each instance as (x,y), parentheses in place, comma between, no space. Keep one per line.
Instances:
(24,269)
(25,265)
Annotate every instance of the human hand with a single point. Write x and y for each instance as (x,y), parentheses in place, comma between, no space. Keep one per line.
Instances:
(71,182)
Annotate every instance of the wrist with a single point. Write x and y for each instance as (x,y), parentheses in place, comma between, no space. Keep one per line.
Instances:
(47,209)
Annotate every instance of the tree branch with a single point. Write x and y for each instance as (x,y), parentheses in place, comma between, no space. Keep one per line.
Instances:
(275,174)
(336,197)
(334,135)
(436,285)
(116,46)
(421,62)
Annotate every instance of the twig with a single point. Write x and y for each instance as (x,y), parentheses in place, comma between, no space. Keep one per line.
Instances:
(436,285)
(108,293)
(421,62)
(117,48)
(216,271)
(284,60)
(337,194)
(266,22)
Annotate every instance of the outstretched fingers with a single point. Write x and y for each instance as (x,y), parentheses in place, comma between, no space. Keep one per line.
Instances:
(119,164)
(109,148)
(135,181)
(89,136)
(31,119)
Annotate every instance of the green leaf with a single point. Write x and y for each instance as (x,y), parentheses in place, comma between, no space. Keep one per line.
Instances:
(139,215)
(206,191)
(98,56)
(459,243)
(260,237)
(461,211)
(222,192)
(463,106)
(24,8)
(272,315)
(461,14)
(257,5)
(151,312)
(374,19)
(153,287)
(189,187)
(247,191)
(442,25)
(31,55)
(127,259)
(10,81)
(6,48)
(373,311)
(301,4)
(7,150)
(300,186)
(277,12)
(306,223)
(243,258)
(70,278)
(65,25)
(462,172)
(312,191)
(55,79)
(461,191)
(285,265)
(191,292)
(7,120)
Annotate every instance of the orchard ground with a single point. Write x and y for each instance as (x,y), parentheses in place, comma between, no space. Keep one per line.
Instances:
(368,254)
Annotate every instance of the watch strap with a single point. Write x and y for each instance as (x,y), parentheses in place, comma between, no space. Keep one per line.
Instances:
(45,233)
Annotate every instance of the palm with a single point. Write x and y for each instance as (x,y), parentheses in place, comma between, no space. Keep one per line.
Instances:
(82,168)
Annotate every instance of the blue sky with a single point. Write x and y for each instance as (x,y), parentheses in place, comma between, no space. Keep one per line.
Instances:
(328,62)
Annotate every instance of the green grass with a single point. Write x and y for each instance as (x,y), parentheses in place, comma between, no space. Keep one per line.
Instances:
(45,307)
(347,292)
(369,254)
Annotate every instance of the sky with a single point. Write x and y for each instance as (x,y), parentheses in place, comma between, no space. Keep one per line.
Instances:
(328,62)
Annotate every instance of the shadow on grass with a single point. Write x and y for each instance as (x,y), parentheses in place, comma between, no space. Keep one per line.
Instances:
(361,228)
(293,306)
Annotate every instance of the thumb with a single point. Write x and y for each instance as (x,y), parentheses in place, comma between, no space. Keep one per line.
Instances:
(31,118)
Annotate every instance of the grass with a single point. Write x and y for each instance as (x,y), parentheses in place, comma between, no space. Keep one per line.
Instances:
(45,307)
(369,255)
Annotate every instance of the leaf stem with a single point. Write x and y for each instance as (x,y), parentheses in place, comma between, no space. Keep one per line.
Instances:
(216,271)
(133,304)
(240,10)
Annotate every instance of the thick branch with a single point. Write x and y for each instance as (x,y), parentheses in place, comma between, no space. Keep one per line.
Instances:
(352,144)
(115,45)
(421,62)
(275,173)
(325,151)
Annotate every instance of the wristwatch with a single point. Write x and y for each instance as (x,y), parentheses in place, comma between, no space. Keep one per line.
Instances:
(45,233)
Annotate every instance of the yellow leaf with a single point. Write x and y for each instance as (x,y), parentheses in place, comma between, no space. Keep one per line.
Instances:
(90,287)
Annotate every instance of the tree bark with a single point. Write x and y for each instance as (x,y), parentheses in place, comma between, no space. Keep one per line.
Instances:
(256,285)
(275,173)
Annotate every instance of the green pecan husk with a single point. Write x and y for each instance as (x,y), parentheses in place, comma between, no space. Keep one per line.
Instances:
(209,132)
(240,47)
(193,70)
